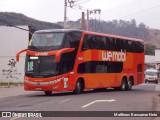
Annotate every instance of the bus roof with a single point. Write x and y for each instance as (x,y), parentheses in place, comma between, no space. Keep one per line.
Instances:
(57,30)
(88,32)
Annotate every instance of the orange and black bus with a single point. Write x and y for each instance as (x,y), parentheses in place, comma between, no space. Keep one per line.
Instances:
(74,60)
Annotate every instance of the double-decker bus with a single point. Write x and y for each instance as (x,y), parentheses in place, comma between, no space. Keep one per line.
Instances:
(74,60)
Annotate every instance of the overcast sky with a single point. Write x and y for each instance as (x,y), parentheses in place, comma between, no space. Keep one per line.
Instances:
(146,11)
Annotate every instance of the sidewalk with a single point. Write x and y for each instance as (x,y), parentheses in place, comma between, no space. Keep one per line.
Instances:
(13,91)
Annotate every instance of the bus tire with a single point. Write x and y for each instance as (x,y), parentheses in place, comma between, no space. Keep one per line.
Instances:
(48,93)
(79,87)
(123,86)
(130,83)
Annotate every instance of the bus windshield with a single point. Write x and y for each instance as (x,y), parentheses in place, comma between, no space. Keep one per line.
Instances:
(46,41)
(44,66)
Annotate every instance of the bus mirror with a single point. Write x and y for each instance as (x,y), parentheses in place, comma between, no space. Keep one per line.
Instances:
(17,55)
(60,52)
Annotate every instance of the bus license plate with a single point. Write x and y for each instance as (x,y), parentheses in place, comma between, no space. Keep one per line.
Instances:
(38,89)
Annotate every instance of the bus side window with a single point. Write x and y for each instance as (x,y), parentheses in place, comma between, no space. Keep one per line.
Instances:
(109,43)
(120,44)
(72,40)
(85,44)
(139,48)
(101,43)
(129,46)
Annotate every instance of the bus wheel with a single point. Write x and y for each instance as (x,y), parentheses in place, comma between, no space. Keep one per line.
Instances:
(79,87)
(48,93)
(123,86)
(129,85)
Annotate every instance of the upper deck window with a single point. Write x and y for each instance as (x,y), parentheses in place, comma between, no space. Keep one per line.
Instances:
(46,41)
(110,43)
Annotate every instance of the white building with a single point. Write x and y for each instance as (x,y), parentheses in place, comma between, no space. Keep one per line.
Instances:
(157,58)
(149,61)
(12,41)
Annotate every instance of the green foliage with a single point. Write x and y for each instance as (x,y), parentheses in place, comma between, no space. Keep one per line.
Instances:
(150,49)
(9,18)
(122,28)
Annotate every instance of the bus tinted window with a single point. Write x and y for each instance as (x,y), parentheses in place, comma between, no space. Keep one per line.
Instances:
(113,44)
(72,39)
(94,42)
(100,67)
(120,44)
(110,43)
(139,47)
(129,46)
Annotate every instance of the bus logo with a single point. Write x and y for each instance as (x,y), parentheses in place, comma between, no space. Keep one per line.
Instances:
(114,56)
(41,54)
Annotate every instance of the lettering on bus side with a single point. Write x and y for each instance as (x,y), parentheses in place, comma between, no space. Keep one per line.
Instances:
(41,54)
(114,56)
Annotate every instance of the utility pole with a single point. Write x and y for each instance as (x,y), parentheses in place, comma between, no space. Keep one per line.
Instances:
(90,12)
(71,4)
(87,19)
(83,21)
(65,13)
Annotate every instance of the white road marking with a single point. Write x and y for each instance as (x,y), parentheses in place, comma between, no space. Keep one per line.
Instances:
(84,106)
(64,100)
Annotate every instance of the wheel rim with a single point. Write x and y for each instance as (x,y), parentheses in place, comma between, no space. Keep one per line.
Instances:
(79,87)
(123,85)
(129,84)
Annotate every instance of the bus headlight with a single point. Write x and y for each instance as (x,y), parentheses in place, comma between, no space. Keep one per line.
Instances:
(29,82)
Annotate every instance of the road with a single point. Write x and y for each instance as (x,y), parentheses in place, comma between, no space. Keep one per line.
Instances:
(142,98)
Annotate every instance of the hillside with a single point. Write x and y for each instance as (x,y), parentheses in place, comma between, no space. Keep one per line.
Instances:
(154,37)
(9,18)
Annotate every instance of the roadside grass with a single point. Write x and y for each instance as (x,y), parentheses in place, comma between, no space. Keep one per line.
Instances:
(10,84)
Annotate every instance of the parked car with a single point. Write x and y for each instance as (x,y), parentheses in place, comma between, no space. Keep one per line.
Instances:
(152,75)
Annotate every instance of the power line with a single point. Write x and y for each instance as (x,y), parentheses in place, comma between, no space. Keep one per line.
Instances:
(111,9)
(138,12)
(74,4)
(78,7)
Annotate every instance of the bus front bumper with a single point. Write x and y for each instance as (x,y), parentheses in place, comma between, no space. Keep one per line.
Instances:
(43,86)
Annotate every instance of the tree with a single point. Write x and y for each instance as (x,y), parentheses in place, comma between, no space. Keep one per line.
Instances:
(150,49)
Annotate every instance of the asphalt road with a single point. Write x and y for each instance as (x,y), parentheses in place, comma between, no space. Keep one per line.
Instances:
(142,98)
